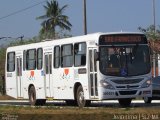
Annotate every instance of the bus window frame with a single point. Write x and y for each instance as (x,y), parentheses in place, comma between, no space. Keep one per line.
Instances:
(10,62)
(71,55)
(27,59)
(37,59)
(59,57)
(80,54)
(24,60)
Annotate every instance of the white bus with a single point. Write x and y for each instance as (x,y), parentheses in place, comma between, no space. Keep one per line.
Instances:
(81,69)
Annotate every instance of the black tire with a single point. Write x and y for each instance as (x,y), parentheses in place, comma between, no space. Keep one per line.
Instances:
(125,102)
(147,100)
(71,102)
(88,103)
(81,102)
(40,102)
(32,95)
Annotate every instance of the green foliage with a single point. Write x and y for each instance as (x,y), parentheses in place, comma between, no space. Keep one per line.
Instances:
(53,20)
(24,41)
(58,35)
(2,65)
(2,60)
(151,33)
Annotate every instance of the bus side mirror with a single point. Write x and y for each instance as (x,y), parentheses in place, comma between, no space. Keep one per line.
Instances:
(96,56)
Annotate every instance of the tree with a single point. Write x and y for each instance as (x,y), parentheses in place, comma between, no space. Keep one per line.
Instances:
(151,33)
(153,37)
(52,19)
(2,64)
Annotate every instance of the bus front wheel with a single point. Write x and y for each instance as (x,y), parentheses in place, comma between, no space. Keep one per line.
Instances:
(147,100)
(125,102)
(32,97)
(81,102)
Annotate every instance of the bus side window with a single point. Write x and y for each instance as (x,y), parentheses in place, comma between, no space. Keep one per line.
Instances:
(31,59)
(80,54)
(67,55)
(39,58)
(56,57)
(24,60)
(11,62)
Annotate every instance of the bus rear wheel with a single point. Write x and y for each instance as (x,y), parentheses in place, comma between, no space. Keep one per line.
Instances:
(71,102)
(32,95)
(125,102)
(81,102)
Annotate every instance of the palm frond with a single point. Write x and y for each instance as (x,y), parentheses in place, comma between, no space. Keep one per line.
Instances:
(41,17)
(54,17)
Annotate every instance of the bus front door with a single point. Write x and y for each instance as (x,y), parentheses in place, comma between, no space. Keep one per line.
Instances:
(48,72)
(93,73)
(19,76)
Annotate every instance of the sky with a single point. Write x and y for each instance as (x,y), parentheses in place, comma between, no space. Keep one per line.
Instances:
(102,16)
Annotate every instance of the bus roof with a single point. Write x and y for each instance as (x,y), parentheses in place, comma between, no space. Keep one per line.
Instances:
(53,42)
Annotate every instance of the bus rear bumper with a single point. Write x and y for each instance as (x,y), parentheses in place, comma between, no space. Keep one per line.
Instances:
(127,93)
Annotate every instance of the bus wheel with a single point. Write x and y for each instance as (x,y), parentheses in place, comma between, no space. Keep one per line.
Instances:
(40,102)
(80,97)
(125,102)
(32,95)
(88,103)
(147,100)
(71,102)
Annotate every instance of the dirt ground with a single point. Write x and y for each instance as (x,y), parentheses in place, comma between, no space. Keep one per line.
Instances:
(5,97)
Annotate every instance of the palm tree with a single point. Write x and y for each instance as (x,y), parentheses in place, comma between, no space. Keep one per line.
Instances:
(53,18)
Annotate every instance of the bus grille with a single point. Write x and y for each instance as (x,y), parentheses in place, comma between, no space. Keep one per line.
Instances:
(126,81)
(128,92)
(156,92)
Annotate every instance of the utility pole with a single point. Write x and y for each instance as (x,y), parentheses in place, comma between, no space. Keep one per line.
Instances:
(154,16)
(84,17)
(154,53)
(21,38)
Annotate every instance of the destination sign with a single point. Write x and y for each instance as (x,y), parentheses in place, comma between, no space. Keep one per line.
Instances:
(123,39)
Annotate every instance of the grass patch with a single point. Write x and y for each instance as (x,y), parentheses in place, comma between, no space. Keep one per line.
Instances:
(49,113)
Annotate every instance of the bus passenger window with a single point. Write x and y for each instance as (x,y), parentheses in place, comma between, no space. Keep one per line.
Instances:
(24,60)
(80,54)
(67,55)
(39,58)
(31,59)
(11,62)
(56,56)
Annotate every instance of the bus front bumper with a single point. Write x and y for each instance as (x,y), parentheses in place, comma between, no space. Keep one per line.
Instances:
(125,93)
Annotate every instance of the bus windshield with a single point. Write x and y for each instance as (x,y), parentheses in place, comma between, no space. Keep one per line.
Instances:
(125,60)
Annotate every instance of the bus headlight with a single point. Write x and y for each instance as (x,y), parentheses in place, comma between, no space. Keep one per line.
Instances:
(106,85)
(146,84)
